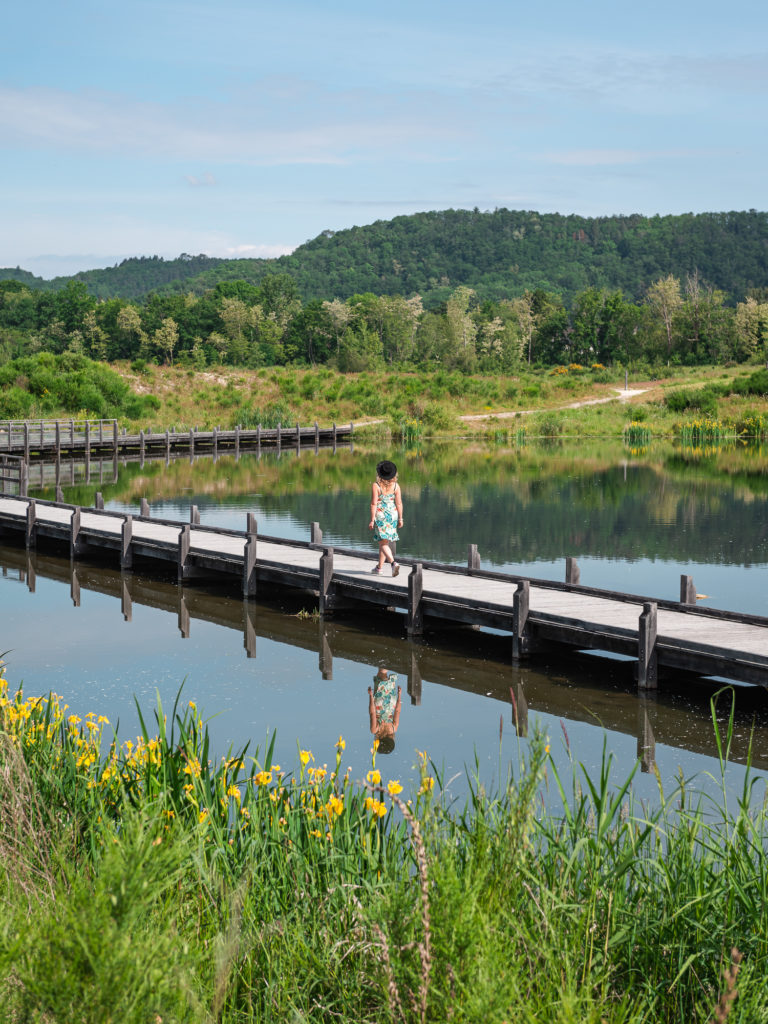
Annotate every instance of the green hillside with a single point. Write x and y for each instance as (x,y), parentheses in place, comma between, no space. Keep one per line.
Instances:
(500,254)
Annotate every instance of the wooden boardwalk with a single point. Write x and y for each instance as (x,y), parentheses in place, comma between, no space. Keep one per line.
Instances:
(668,635)
(40,437)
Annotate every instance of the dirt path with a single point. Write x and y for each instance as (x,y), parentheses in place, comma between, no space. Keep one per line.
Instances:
(621,396)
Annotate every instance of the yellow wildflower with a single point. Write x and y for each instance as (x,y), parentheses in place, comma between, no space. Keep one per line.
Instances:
(394,787)
(374,777)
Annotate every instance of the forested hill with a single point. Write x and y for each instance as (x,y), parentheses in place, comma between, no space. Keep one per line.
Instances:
(500,254)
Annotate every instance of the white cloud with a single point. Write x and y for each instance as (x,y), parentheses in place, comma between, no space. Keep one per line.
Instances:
(202,180)
(247,251)
(275,122)
(608,157)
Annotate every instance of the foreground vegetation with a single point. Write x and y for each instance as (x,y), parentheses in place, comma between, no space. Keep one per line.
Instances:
(147,882)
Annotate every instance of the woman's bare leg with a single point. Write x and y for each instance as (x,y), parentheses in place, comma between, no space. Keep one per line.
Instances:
(385,553)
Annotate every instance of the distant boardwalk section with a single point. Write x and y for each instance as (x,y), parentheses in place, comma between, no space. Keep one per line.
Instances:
(41,437)
(663,636)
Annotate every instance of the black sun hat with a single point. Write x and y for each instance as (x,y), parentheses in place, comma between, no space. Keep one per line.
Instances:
(386,470)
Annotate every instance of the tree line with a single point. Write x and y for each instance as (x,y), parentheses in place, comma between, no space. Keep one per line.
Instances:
(237,323)
(499,254)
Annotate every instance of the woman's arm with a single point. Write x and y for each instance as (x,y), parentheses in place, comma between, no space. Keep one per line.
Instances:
(372,711)
(399,506)
(374,503)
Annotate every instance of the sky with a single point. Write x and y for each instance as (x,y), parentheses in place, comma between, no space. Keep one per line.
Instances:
(244,128)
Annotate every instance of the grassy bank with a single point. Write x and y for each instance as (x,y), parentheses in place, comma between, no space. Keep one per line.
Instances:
(404,404)
(147,882)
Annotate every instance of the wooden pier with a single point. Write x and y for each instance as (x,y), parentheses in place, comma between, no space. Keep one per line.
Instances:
(669,636)
(40,437)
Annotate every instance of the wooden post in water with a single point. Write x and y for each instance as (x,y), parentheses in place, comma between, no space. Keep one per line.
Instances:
(126,601)
(58,440)
(315,535)
(215,443)
(183,616)
(114,436)
(572,571)
(647,666)
(325,581)
(519,710)
(88,437)
(31,573)
(144,509)
(414,624)
(687,590)
(414,681)
(126,539)
(279,437)
(167,444)
(98,501)
(74,587)
(317,435)
(646,743)
(194,515)
(473,557)
(325,655)
(191,441)
(141,444)
(237,442)
(30,534)
(249,629)
(23,479)
(520,608)
(334,438)
(249,557)
(26,441)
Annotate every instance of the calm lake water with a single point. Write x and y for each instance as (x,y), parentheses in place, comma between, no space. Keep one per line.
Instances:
(634,520)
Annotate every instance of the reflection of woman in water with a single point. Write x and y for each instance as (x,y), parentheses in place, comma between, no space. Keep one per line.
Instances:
(384,709)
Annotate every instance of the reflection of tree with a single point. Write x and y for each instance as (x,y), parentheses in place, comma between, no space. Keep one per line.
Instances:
(516,505)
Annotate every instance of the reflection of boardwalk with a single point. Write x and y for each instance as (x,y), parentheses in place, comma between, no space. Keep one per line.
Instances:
(660,634)
(567,688)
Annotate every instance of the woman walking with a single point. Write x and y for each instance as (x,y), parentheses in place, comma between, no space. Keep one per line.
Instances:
(386,513)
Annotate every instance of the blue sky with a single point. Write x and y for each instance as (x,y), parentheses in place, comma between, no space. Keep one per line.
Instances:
(245,128)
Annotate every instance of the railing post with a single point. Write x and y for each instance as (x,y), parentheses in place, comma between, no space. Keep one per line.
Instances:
(191,442)
(58,440)
(194,515)
(414,625)
(298,435)
(279,437)
(317,435)
(144,510)
(98,501)
(647,662)
(26,441)
(114,435)
(59,494)
(687,590)
(184,545)
(88,436)
(30,534)
(325,582)
(75,544)
(126,541)
(141,444)
(249,557)
(315,535)
(237,441)
(521,604)
(473,557)
(572,571)
(23,479)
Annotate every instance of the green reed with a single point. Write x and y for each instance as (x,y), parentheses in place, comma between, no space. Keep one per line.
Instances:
(149,881)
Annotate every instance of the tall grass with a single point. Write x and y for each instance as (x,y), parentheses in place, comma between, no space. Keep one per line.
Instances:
(150,881)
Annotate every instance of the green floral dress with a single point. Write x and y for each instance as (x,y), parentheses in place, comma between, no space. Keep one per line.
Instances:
(385,518)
